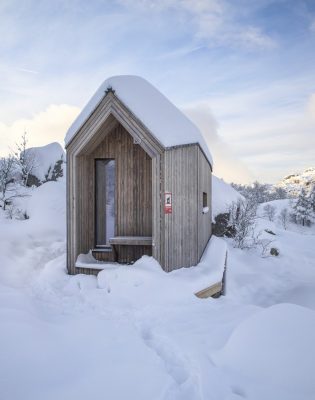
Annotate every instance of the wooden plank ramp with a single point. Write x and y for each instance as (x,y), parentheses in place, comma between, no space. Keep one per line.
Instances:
(217,289)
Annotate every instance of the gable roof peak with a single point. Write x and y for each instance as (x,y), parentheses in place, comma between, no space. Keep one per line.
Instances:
(162,118)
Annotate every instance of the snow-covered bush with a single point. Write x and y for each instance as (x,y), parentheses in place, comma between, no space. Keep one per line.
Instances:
(284,217)
(6,178)
(263,244)
(255,193)
(9,187)
(260,193)
(242,226)
(312,204)
(10,211)
(269,212)
(278,193)
(243,221)
(302,209)
(25,160)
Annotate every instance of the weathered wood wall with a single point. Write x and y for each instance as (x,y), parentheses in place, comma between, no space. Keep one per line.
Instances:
(186,232)
(204,186)
(181,226)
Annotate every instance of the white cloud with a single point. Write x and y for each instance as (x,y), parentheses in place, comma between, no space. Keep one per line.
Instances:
(270,129)
(51,125)
(213,21)
(273,144)
(226,164)
(43,128)
(28,71)
(254,37)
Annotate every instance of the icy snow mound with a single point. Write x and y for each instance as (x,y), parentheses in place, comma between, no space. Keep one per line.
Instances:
(45,157)
(223,196)
(166,122)
(276,345)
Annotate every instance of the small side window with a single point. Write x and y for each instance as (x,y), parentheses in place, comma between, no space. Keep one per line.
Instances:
(205,208)
(204,200)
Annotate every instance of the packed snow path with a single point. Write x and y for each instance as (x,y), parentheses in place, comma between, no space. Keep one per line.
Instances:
(65,337)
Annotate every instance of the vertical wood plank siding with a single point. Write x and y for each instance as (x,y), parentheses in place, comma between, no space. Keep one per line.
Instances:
(204,186)
(180,178)
(187,175)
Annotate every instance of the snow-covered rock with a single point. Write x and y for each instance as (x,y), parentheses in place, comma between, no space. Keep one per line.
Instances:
(45,158)
(223,195)
(165,121)
(295,182)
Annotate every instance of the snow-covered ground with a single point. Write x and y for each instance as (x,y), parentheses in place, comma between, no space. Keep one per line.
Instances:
(134,336)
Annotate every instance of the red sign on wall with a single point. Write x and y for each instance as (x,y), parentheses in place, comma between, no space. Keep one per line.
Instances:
(168,203)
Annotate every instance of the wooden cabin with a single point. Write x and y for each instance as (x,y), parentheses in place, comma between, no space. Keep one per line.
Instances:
(138,180)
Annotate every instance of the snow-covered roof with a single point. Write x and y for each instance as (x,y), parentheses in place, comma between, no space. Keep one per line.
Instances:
(163,119)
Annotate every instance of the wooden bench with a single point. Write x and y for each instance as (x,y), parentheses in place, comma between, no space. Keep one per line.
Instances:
(129,241)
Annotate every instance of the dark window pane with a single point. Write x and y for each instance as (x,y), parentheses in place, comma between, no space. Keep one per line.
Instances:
(204,200)
(110,199)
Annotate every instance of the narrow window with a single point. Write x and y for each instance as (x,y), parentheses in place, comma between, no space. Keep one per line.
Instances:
(204,200)
(205,208)
(104,201)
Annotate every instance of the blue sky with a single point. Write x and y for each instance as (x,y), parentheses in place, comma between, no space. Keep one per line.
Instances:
(243,70)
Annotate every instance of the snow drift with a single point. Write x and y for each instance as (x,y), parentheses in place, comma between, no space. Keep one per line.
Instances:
(275,344)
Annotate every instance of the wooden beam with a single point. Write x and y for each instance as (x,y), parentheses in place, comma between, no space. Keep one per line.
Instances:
(131,240)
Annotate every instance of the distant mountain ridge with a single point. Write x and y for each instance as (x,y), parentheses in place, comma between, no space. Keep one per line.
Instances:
(295,182)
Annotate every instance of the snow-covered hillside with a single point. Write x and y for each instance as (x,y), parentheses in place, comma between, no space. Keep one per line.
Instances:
(295,182)
(119,335)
